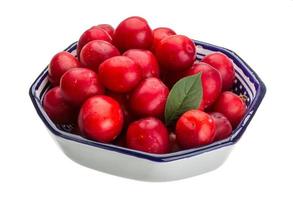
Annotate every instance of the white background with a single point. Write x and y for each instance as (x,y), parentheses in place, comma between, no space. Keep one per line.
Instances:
(31,32)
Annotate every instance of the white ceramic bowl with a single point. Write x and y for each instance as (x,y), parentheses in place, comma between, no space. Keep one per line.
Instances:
(151,167)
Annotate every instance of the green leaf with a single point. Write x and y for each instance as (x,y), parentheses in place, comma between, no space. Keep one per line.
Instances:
(186,94)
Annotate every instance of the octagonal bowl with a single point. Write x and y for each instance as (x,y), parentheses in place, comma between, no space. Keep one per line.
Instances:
(138,165)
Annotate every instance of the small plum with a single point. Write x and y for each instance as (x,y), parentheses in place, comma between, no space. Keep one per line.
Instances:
(57,108)
(223,126)
(61,63)
(175,53)
(120,74)
(148,135)
(78,84)
(101,118)
(195,128)
(133,33)
(149,98)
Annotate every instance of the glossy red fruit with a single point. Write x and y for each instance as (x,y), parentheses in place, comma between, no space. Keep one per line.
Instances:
(120,74)
(94,33)
(161,33)
(107,27)
(78,84)
(211,82)
(146,60)
(148,135)
(96,52)
(224,65)
(149,98)
(60,63)
(195,128)
(223,126)
(176,53)
(100,118)
(133,33)
(57,108)
(232,106)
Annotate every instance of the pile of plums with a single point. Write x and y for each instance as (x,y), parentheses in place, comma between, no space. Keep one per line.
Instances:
(115,89)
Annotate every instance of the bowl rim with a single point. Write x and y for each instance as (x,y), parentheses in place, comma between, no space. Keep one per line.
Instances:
(236,135)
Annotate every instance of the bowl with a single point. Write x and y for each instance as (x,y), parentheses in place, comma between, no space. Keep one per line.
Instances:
(138,165)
